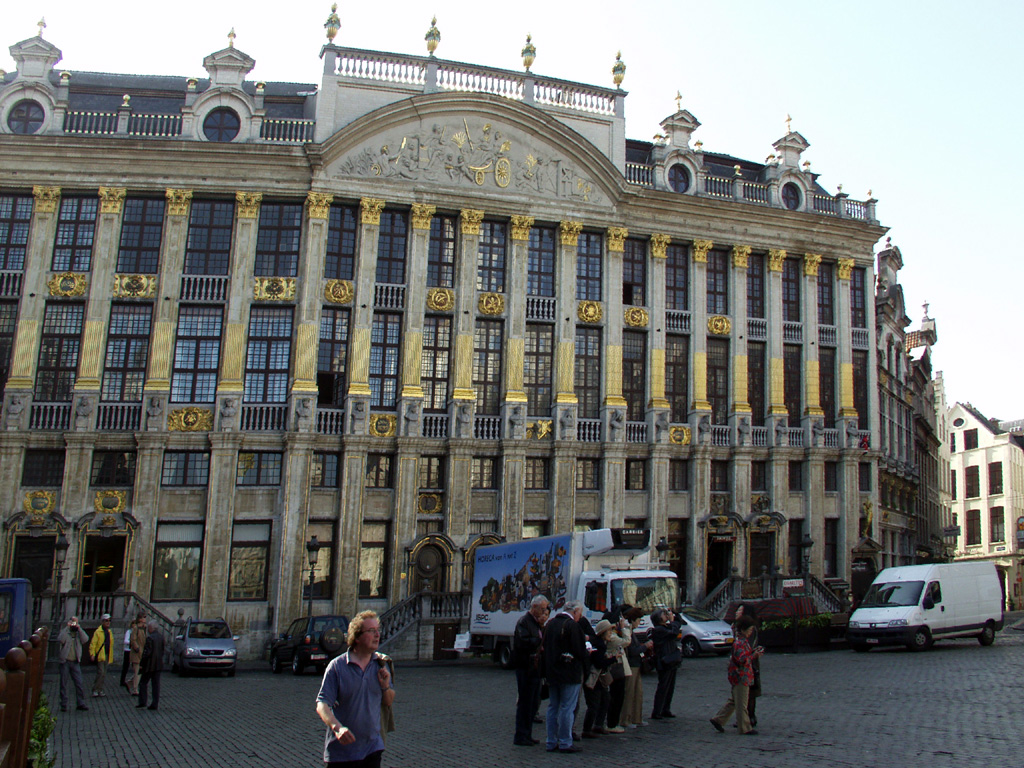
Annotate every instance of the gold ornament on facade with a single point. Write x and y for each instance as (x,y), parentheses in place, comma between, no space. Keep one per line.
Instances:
(339,291)
(39,502)
(470,219)
(636,317)
(109,502)
(369,210)
(529,53)
(422,215)
(274,289)
(491,304)
(441,299)
(178,201)
(318,205)
(67,284)
(740,256)
(382,424)
(569,231)
(190,420)
(719,325)
(111,198)
(700,250)
(679,435)
(521,227)
(430,504)
(538,430)
(811,262)
(46,199)
(618,70)
(589,311)
(134,286)
(845,268)
(433,36)
(248,204)
(659,246)
(776,258)
(617,238)
(333,24)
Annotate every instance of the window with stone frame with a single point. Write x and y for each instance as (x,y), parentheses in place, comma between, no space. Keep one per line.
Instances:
(826,294)
(718,362)
(113,469)
(435,362)
(791,290)
(677,375)
(323,569)
(76,227)
(534,529)
(197,354)
(970,439)
(860,388)
(996,524)
(587,372)
(755,286)
(718,282)
(325,470)
(208,249)
(636,474)
(259,468)
(491,256)
(441,252)
(486,473)
(385,353)
(864,477)
(379,470)
(332,355)
(342,236)
(277,240)
(995,478)
(540,262)
(757,382)
(973,521)
(796,476)
(830,558)
(588,474)
(8,327)
(858,297)
(720,476)
(15,220)
(488,344)
(268,353)
(792,381)
(177,561)
(677,277)
(972,483)
(537,473)
(59,348)
(759,476)
(679,474)
(142,226)
(124,367)
(373,559)
(952,484)
(634,272)
(634,374)
(185,468)
(392,242)
(827,385)
(250,559)
(538,368)
(831,477)
(43,468)
(433,473)
(588,267)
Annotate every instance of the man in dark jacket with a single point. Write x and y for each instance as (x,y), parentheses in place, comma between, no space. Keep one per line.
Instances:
(667,655)
(152,665)
(525,645)
(565,654)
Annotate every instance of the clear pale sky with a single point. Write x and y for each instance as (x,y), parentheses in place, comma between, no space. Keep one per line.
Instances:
(918,101)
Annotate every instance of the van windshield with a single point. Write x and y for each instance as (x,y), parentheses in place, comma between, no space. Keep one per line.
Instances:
(893,593)
(647,593)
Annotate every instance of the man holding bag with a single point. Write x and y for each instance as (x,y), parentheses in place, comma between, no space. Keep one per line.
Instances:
(665,637)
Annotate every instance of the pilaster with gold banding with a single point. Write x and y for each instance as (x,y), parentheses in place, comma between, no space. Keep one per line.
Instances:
(773,304)
(236,318)
(466,298)
(362,311)
(812,383)
(611,291)
(565,314)
(309,291)
(699,322)
(740,261)
(844,329)
(657,302)
(515,293)
(416,300)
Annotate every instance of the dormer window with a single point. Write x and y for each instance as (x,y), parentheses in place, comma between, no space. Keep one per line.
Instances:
(679,178)
(221,125)
(26,117)
(791,196)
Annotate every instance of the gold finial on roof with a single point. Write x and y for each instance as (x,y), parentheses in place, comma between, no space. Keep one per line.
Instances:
(789,124)
(618,70)
(333,23)
(231,38)
(699,145)
(679,101)
(42,25)
(126,100)
(433,36)
(529,53)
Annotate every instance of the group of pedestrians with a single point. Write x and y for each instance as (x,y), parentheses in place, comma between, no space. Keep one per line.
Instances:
(568,655)
(143,656)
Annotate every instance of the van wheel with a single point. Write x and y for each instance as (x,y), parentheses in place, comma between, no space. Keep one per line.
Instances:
(503,655)
(988,635)
(922,639)
(691,648)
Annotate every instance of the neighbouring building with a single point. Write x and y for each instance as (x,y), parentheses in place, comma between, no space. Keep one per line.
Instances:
(417,307)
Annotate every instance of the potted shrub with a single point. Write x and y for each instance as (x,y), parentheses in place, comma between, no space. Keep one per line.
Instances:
(814,631)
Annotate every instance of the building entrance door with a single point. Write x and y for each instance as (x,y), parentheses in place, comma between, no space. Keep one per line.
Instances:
(103,564)
(33,560)
(762,554)
(428,570)
(719,561)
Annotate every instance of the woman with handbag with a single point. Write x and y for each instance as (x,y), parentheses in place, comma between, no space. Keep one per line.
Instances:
(618,641)
(633,688)
(595,687)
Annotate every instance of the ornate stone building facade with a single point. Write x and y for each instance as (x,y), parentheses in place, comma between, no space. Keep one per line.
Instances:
(410,309)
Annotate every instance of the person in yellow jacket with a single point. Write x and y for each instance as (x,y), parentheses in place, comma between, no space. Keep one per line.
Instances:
(101,648)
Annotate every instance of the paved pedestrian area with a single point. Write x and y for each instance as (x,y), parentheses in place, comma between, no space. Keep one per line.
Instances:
(954,706)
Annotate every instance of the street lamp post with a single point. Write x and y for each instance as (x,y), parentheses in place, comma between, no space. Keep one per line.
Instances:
(805,552)
(60,553)
(312,552)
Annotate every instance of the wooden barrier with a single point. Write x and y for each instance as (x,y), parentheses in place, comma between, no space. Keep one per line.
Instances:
(21,683)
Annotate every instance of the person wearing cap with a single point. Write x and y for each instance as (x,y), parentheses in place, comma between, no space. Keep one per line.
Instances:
(102,650)
(72,640)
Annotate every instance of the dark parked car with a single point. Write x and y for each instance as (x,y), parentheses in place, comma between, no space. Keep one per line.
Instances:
(204,644)
(311,640)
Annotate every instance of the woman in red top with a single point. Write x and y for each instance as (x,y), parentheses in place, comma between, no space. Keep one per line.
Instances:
(741,678)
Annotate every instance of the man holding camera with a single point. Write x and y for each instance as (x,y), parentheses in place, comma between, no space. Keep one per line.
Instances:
(72,639)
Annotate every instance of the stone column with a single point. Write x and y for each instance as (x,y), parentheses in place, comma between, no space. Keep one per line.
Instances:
(566,308)
(776,369)
(465,300)
(406,511)
(350,528)
(357,402)
(614,413)
(220,516)
(699,323)
(844,330)
(812,382)
(293,566)
(515,311)
(415,304)
(75,501)
(660,410)
(738,342)
(146,509)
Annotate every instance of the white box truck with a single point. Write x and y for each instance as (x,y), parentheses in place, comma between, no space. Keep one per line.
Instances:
(915,605)
(602,569)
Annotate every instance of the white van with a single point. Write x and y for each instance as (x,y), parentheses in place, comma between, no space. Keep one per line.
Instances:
(915,605)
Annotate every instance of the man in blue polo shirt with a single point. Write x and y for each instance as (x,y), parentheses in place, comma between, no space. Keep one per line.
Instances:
(355,686)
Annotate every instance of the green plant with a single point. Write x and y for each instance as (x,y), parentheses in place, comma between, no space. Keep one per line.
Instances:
(776,624)
(818,621)
(42,726)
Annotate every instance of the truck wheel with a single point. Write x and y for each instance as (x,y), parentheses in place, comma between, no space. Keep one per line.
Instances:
(922,639)
(988,635)
(503,655)
(691,648)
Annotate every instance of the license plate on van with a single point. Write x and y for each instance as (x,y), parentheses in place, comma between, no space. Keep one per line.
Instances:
(872,639)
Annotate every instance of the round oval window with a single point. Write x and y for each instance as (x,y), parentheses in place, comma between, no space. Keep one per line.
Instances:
(221,124)
(25,117)
(958,422)
(791,196)
(679,178)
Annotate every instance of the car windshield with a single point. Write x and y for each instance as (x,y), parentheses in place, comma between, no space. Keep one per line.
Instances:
(696,614)
(209,630)
(321,623)
(893,593)
(647,593)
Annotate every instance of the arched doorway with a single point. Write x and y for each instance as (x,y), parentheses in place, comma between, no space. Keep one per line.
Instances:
(430,561)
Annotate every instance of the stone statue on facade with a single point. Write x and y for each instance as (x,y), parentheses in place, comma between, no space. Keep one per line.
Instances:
(411,419)
(817,432)
(303,411)
(616,423)
(516,422)
(463,419)
(704,430)
(567,423)
(14,410)
(661,425)
(743,430)
(228,409)
(851,434)
(781,431)
(358,415)
(83,410)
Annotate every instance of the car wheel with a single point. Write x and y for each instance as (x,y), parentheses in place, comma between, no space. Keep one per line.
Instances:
(275,664)
(297,666)
(174,666)
(988,635)
(921,640)
(231,672)
(691,648)
(861,647)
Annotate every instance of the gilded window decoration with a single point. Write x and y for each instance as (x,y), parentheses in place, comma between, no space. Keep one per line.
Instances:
(845,268)
(617,238)
(190,420)
(700,250)
(339,291)
(740,256)
(40,502)
(47,199)
(679,435)
(471,219)
(422,215)
(521,227)
(569,231)
(538,430)
(383,425)
(719,326)
(430,504)
(636,317)
(178,201)
(134,286)
(274,289)
(659,246)
(441,299)
(318,205)
(369,210)
(109,502)
(67,284)
(491,304)
(111,199)
(811,262)
(776,258)
(248,204)
(589,311)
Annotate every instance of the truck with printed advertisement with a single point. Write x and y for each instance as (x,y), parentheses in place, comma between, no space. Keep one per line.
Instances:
(603,569)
